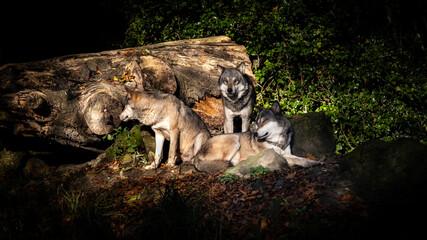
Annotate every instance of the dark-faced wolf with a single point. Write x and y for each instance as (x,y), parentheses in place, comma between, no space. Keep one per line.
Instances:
(238,96)
(271,130)
(170,119)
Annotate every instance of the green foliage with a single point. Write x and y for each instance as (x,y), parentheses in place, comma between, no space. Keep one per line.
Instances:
(309,58)
(230,177)
(259,171)
(126,145)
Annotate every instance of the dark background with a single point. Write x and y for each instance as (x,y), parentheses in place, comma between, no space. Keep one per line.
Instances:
(35,30)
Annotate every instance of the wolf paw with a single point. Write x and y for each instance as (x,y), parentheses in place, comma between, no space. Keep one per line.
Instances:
(170,164)
(151,166)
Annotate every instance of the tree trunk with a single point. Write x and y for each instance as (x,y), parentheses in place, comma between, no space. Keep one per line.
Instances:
(76,99)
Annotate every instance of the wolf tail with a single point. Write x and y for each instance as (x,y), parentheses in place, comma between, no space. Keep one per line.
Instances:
(210,166)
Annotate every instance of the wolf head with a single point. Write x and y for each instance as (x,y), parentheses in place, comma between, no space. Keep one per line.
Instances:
(129,112)
(232,82)
(272,126)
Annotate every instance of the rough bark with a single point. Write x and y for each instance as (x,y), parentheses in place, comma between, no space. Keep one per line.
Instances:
(76,99)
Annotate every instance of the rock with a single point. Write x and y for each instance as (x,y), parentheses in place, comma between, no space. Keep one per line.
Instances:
(267,158)
(380,170)
(36,168)
(313,135)
(9,160)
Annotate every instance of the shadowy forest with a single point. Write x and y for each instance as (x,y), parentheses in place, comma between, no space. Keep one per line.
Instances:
(362,63)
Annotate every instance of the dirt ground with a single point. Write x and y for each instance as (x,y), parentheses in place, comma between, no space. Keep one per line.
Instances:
(124,201)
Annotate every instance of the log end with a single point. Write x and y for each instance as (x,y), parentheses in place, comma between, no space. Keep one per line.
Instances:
(100,106)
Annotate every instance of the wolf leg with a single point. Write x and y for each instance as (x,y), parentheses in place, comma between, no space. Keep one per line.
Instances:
(299,161)
(160,139)
(245,123)
(174,139)
(234,154)
(295,160)
(228,121)
(228,125)
(198,142)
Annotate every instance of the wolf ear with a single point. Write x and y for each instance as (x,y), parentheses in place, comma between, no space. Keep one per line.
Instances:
(275,107)
(241,68)
(132,92)
(220,69)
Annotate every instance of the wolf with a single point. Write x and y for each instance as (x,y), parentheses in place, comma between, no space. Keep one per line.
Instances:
(170,119)
(238,96)
(271,130)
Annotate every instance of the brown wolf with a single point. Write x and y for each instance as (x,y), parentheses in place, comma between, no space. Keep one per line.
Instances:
(170,119)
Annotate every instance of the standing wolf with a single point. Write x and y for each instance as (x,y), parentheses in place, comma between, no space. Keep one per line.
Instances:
(170,119)
(238,96)
(272,130)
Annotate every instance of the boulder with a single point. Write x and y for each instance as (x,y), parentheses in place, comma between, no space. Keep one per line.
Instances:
(267,158)
(380,170)
(313,135)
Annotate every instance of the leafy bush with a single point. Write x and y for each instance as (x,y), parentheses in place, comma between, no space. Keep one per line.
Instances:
(230,177)
(126,145)
(258,171)
(308,57)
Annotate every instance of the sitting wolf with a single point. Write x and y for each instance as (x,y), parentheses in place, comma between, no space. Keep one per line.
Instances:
(170,119)
(272,130)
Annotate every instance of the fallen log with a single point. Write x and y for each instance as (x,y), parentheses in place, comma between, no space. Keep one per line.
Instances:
(75,99)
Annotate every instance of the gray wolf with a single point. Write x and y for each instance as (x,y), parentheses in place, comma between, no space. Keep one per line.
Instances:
(170,119)
(238,96)
(271,130)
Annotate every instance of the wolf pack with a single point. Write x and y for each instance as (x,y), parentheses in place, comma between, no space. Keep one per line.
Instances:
(189,138)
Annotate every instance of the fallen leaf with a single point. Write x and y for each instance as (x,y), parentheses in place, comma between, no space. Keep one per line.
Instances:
(346,197)
(263,224)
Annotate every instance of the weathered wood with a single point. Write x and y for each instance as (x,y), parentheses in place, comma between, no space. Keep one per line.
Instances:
(75,99)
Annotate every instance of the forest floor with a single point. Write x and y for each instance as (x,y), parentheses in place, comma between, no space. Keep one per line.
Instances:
(124,201)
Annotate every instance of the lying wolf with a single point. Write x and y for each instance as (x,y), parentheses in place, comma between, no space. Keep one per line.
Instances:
(238,96)
(170,119)
(272,130)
